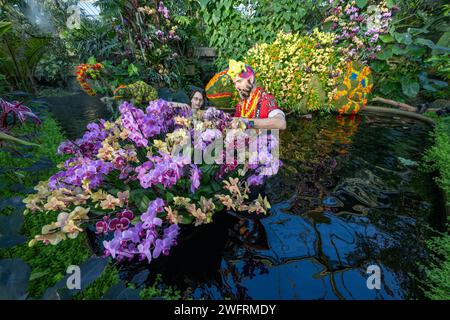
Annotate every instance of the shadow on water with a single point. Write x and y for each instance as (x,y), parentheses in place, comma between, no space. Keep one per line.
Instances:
(349,195)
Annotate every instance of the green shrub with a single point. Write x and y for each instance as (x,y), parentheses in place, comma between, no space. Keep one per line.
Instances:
(437,159)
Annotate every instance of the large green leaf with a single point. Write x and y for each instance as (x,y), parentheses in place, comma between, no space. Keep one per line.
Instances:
(361,3)
(215,18)
(7,137)
(5,26)
(90,270)
(410,87)
(417,31)
(142,203)
(121,292)
(397,50)
(10,230)
(386,38)
(385,54)
(444,40)
(404,38)
(425,42)
(430,44)
(390,3)
(416,50)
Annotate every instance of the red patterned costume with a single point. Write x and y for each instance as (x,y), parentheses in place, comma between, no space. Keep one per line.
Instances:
(259,109)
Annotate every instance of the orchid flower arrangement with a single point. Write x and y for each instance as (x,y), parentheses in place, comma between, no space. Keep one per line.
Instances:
(126,180)
(359,28)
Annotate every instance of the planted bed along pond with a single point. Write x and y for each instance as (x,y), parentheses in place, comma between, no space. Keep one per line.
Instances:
(348,196)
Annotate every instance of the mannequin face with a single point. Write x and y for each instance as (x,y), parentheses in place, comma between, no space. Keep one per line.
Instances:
(197,100)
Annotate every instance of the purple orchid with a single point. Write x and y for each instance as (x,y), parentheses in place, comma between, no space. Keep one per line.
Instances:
(119,224)
(79,171)
(195,177)
(163,170)
(255,180)
(149,218)
(101,227)
(126,214)
(88,145)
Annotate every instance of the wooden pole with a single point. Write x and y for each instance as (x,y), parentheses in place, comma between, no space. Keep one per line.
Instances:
(403,106)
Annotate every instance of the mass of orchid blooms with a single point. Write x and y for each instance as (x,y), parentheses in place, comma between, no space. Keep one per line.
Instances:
(125,179)
(359,29)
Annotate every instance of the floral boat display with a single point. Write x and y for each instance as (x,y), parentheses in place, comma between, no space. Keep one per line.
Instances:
(127,179)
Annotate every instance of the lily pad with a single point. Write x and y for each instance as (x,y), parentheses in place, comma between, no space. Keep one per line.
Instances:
(90,270)
(9,230)
(121,292)
(140,278)
(14,276)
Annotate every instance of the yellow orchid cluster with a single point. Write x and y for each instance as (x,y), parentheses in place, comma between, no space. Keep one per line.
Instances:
(203,212)
(60,200)
(107,201)
(53,200)
(239,191)
(67,225)
(111,149)
(302,72)
(174,139)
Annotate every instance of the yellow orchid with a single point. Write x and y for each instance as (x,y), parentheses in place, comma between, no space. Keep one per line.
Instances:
(51,238)
(207,205)
(110,202)
(227,201)
(160,145)
(98,195)
(182,121)
(123,197)
(232,186)
(260,205)
(54,204)
(181,201)
(172,215)
(79,213)
(32,203)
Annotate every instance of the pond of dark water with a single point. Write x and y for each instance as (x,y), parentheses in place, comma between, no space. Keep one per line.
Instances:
(348,196)
(74,112)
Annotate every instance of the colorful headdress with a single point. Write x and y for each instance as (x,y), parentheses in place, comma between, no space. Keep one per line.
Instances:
(219,90)
(239,69)
(352,93)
